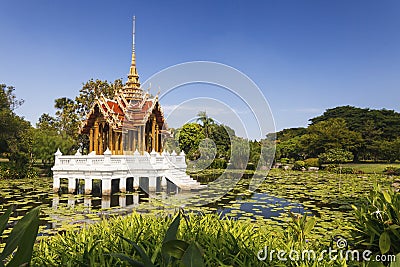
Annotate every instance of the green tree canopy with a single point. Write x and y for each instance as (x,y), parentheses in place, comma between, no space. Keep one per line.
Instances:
(330,134)
(336,155)
(189,137)
(15,132)
(206,122)
(92,89)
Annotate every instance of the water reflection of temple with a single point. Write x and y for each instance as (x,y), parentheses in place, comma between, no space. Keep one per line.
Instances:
(104,202)
(132,198)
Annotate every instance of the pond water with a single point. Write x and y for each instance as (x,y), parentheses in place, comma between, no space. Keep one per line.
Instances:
(59,211)
(324,195)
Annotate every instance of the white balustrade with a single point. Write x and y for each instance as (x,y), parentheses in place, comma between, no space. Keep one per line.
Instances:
(108,167)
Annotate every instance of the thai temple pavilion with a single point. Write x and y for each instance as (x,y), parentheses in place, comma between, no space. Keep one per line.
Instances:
(132,120)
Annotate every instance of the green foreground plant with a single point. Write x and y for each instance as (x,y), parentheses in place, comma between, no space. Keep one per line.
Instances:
(21,238)
(377,225)
(158,240)
(172,250)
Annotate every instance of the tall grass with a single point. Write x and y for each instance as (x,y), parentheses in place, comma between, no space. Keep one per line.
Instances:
(223,242)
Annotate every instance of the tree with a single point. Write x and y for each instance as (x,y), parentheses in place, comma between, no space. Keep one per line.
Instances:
(92,89)
(240,153)
(67,119)
(389,150)
(206,122)
(287,134)
(291,148)
(221,135)
(336,155)
(330,134)
(360,120)
(8,100)
(47,141)
(189,137)
(47,122)
(15,138)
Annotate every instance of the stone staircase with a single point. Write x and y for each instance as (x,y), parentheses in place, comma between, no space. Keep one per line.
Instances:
(182,180)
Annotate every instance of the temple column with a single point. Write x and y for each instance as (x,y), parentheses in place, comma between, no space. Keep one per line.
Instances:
(122,201)
(116,142)
(125,142)
(114,145)
(131,141)
(110,139)
(88,186)
(106,186)
(120,144)
(122,185)
(90,140)
(56,184)
(134,132)
(143,138)
(105,138)
(152,183)
(139,139)
(71,185)
(157,145)
(101,129)
(153,134)
(96,137)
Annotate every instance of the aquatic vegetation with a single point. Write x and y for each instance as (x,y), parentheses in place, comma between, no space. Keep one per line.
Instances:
(328,197)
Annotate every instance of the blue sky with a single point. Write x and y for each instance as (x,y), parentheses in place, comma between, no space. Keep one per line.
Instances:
(305,56)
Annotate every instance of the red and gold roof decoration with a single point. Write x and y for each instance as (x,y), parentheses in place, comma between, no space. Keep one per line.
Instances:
(130,107)
(119,113)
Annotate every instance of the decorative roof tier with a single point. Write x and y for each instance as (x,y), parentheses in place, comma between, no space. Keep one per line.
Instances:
(130,110)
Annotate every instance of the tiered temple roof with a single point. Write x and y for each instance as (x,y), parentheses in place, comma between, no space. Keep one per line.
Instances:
(131,120)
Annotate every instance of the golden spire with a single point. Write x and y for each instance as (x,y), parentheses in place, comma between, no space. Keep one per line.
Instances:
(132,88)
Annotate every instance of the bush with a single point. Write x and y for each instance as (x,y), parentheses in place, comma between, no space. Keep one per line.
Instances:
(218,164)
(6,172)
(312,162)
(346,170)
(10,171)
(377,223)
(251,166)
(299,165)
(284,160)
(390,170)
